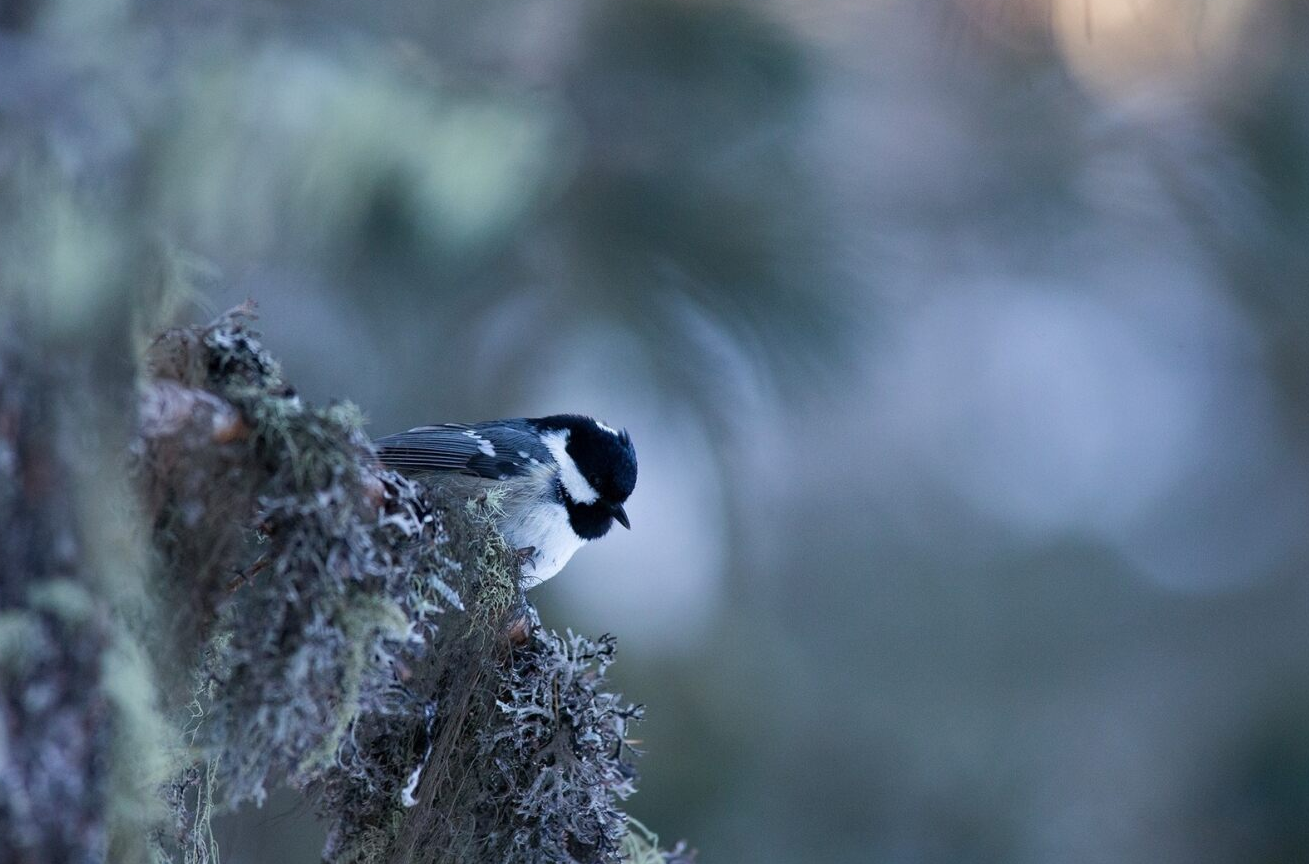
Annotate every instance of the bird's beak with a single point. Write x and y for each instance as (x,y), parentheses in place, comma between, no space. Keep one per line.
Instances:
(617,511)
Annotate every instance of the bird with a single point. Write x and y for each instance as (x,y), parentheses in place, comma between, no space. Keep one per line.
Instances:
(564,478)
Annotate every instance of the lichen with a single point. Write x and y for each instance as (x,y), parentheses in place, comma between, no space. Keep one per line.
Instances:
(144,753)
(640,845)
(557,755)
(496,568)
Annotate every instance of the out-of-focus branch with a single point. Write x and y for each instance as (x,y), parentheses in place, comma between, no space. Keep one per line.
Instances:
(53,708)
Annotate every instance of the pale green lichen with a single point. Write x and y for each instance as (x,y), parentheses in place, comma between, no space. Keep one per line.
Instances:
(365,622)
(145,753)
(640,845)
(495,564)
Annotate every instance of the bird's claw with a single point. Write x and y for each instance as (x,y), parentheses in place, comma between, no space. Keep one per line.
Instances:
(519,629)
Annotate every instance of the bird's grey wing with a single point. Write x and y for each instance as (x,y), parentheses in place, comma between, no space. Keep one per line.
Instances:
(496,450)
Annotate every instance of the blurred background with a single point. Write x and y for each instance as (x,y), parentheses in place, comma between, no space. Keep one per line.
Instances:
(965,345)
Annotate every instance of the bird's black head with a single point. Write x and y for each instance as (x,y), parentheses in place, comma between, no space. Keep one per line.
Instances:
(605,464)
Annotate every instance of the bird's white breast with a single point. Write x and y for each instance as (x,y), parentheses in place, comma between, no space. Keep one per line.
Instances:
(544,527)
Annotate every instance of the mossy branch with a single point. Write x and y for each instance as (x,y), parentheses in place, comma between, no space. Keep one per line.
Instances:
(296,614)
(348,635)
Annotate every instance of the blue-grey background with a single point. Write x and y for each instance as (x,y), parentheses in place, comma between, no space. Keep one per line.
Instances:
(965,345)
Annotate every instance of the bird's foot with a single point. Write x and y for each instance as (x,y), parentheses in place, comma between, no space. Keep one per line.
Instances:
(519,629)
(520,624)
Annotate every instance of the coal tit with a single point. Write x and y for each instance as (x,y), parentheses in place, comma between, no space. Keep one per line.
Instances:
(564,478)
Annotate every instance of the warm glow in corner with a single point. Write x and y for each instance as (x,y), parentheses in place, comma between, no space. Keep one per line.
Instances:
(1119,47)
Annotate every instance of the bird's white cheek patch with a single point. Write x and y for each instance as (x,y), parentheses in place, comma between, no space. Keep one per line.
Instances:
(574,483)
